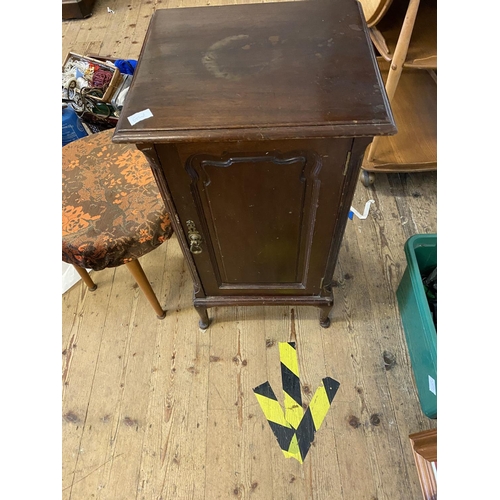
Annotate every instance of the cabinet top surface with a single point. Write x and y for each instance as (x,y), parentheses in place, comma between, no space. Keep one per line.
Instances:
(256,71)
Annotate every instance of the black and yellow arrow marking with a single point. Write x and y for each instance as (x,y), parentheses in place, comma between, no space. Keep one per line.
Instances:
(291,383)
(294,428)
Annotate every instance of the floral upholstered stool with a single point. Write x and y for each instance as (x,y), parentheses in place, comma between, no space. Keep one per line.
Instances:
(112,210)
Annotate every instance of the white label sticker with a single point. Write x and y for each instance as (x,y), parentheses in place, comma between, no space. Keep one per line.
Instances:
(432,385)
(138,117)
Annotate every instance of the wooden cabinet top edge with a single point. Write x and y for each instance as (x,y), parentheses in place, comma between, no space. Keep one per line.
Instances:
(256,134)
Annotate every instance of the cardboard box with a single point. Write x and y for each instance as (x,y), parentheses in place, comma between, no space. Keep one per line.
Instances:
(109,87)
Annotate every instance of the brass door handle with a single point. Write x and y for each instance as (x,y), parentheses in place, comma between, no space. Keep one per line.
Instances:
(194,237)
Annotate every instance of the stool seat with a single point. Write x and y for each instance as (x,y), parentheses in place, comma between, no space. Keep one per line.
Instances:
(113,212)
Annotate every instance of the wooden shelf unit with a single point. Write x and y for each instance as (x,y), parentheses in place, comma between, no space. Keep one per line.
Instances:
(406,38)
(422,49)
(414,107)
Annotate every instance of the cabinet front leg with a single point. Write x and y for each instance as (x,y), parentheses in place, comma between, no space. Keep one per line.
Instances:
(325,310)
(324,319)
(204,320)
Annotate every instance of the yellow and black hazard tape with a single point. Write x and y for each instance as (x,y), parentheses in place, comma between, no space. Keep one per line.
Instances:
(294,428)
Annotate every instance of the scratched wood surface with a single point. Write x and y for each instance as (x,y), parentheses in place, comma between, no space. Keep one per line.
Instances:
(161,410)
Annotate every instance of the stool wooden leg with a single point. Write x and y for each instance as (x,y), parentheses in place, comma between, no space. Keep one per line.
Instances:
(137,272)
(86,278)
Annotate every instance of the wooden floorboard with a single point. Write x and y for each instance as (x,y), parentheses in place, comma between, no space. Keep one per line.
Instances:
(159,409)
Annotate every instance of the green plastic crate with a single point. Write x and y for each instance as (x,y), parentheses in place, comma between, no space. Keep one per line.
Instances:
(416,316)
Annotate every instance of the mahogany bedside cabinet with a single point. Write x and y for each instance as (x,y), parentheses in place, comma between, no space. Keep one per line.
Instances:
(254,119)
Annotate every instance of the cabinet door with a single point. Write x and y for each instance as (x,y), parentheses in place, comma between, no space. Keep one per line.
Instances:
(259,217)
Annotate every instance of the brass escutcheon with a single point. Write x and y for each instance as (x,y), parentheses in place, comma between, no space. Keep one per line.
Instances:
(194,237)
